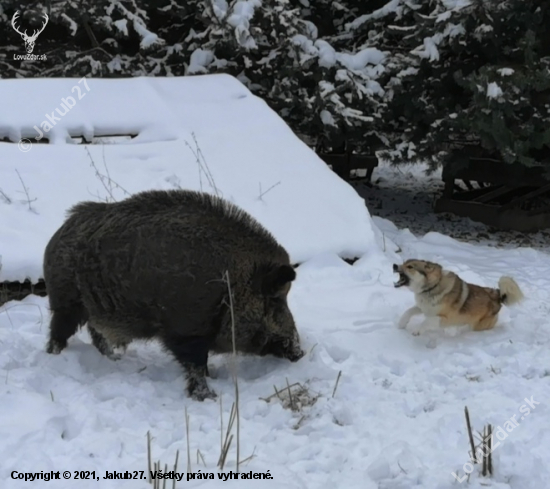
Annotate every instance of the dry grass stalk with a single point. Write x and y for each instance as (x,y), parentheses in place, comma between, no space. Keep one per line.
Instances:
(156,467)
(490,445)
(108,183)
(484,453)
(199,454)
(234,369)
(221,425)
(247,459)
(294,399)
(149,457)
(484,459)
(26,190)
(5,197)
(336,384)
(487,466)
(156,482)
(5,310)
(277,392)
(175,468)
(228,438)
(292,404)
(202,165)
(470,435)
(268,190)
(187,436)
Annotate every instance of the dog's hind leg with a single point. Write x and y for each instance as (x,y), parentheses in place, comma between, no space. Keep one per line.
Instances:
(407,316)
(488,322)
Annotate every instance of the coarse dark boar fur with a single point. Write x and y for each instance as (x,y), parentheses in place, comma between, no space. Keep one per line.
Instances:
(155,266)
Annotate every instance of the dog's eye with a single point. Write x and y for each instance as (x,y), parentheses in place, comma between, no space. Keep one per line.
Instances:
(409,267)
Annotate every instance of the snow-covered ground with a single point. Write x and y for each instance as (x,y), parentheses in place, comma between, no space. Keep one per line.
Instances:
(405,195)
(379,409)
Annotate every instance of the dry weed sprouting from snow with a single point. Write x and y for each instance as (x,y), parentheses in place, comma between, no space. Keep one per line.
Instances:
(295,396)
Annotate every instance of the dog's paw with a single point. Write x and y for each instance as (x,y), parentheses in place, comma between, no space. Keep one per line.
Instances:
(417,330)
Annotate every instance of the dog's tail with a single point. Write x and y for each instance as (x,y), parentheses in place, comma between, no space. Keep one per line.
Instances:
(509,291)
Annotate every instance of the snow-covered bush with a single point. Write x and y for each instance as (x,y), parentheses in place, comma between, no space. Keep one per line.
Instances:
(430,79)
(467,78)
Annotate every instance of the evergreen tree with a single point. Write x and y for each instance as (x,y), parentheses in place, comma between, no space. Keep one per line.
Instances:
(435,80)
(467,79)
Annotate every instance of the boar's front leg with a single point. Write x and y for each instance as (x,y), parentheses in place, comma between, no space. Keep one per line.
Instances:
(192,354)
(103,345)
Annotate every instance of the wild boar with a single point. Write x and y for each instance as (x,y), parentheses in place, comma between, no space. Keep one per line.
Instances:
(156,266)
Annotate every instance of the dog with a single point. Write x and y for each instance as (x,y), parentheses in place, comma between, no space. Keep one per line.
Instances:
(442,293)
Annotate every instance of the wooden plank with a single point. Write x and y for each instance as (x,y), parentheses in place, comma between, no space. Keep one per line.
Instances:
(467,195)
(497,192)
(527,196)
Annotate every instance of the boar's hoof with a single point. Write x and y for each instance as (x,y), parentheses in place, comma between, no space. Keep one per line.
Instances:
(117,352)
(55,347)
(197,388)
(114,352)
(200,394)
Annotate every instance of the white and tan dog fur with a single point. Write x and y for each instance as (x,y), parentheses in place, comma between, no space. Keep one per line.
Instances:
(442,293)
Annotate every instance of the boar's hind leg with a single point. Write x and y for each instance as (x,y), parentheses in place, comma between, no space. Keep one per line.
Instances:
(64,323)
(114,352)
(192,354)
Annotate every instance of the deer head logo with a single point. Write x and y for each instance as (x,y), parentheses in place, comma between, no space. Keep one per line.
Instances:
(29,40)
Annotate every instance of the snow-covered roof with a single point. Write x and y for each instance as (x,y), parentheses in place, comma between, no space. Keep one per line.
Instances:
(203,132)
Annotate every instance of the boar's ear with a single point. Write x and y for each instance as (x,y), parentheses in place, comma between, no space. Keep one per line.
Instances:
(274,280)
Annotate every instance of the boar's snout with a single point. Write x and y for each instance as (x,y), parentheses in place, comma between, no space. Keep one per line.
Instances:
(295,354)
(288,348)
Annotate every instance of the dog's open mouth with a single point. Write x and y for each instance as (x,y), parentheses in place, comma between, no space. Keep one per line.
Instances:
(403,279)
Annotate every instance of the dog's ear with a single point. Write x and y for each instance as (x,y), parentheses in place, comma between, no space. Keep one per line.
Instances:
(431,267)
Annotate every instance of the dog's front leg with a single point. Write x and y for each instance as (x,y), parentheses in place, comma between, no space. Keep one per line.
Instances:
(407,315)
